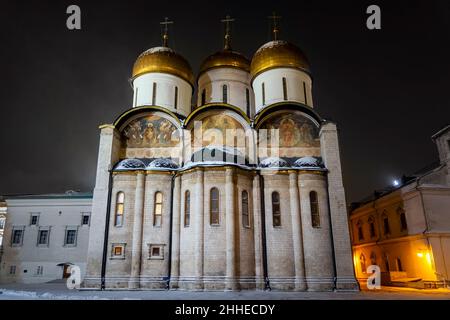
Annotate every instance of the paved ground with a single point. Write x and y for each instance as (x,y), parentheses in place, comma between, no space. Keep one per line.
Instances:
(58,291)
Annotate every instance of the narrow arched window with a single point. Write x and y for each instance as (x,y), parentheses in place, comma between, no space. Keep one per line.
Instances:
(154,94)
(225,93)
(360,230)
(284,89)
(386,227)
(263,90)
(157,215)
(247,99)
(120,199)
(371,227)
(362,261)
(399,264)
(402,216)
(373,258)
(175,103)
(214,206)
(187,208)
(314,203)
(245,216)
(203,96)
(304,93)
(276,212)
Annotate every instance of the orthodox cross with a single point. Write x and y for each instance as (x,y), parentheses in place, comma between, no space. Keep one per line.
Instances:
(165,36)
(275,27)
(227,21)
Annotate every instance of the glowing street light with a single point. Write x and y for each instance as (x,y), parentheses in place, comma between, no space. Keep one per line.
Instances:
(395,183)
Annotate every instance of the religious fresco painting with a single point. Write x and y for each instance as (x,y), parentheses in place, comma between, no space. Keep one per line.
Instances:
(151,131)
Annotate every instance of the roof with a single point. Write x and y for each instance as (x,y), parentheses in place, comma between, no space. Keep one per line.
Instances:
(440,132)
(66,195)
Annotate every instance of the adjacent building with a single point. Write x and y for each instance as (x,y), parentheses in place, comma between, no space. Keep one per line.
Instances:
(405,230)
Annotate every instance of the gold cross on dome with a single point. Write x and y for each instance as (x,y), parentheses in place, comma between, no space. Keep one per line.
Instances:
(275,27)
(165,36)
(227,21)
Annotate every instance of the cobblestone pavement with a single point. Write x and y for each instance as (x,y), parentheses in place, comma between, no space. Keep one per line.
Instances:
(58,291)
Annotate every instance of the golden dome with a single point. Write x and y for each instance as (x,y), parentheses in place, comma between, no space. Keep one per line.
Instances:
(164,60)
(225,58)
(276,54)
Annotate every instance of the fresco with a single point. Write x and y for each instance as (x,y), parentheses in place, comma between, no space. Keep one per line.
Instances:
(295,130)
(151,131)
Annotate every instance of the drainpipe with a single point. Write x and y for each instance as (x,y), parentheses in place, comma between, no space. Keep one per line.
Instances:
(105,241)
(172,184)
(263,232)
(332,242)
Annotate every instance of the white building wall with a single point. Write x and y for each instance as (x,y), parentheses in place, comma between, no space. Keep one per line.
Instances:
(57,214)
(165,92)
(273,87)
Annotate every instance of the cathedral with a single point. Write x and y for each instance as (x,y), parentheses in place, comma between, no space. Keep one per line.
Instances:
(241,190)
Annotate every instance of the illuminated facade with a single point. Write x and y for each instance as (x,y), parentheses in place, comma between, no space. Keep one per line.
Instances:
(406,230)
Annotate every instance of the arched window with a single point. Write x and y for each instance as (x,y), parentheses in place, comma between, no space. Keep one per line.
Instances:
(247,99)
(203,96)
(154,94)
(386,227)
(402,216)
(225,93)
(304,93)
(362,262)
(373,258)
(371,227)
(245,216)
(360,230)
(214,206)
(175,103)
(386,262)
(157,215)
(276,213)
(399,264)
(263,88)
(314,203)
(120,199)
(187,208)
(284,89)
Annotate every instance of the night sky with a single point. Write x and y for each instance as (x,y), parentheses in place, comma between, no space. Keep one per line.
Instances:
(387,89)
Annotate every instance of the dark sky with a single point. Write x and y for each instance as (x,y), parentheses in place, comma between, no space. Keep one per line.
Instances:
(388,90)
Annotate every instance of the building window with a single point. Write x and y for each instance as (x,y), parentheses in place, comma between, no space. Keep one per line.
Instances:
(135,97)
(263,90)
(371,227)
(214,206)
(399,264)
(157,216)
(70,239)
(118,251)
(120,198)
(314,204)
(386,262)
(203,96)
(304,93)
(403,224)
(386,228)
(175,103)
(276,212)
(12,269)
(17,237)
(40,270)
(187,208)
(34,219)
(156,251)
(85,219)
(360,230)
(43,237)
(154,94)
(225,93)
(2,223)
(247,99)
(373,258)
(245,215)
(284,89)
(362,262)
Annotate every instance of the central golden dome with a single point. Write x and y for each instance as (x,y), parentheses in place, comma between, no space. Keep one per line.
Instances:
(225,58)
(164,60)
(278,54)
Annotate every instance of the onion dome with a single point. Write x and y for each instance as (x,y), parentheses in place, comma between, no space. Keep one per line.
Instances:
(225,59)
(163,60)
(162,163)
(273,162)
(308,162)
(278,54)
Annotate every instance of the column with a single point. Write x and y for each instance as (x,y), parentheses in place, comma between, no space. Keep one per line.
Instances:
(136,246)
(297,238)
(175,269)
(230,224)
(257,229)
(199,229)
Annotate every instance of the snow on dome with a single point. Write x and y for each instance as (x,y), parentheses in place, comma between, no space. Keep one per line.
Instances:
(273,162)
(127,164)
(309,162)
(157,49)
(165,163)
